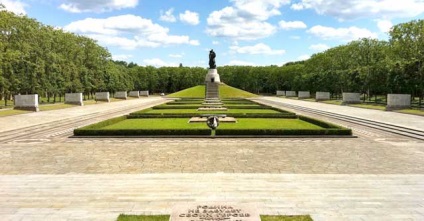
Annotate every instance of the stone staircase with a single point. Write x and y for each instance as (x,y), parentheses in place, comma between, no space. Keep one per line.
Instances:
(212,90)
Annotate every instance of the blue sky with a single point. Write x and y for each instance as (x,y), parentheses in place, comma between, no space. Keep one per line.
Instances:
(241,32)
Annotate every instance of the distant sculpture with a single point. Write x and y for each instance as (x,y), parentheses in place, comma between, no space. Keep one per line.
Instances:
(212,55)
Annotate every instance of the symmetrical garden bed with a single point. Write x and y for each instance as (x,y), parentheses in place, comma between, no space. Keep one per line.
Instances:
(172,119)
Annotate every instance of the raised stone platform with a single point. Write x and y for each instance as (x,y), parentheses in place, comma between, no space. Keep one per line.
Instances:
(26,102)
(212,109)
(204,119)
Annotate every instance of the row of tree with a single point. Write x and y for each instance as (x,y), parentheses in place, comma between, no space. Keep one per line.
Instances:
(35,58)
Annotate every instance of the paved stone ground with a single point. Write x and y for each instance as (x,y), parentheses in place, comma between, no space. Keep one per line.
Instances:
(48,176)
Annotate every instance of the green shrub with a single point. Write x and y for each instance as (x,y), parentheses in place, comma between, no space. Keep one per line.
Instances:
(263,115)
(141,132)
(245,107)
(160,115)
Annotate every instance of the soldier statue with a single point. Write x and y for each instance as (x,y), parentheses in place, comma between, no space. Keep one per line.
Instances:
(212,64)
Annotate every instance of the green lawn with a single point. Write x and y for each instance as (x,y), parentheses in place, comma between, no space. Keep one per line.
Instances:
(408,111)
(182,123)
(370,106)
(123,217)
(194,111)
(10,112)
(225,91)
(336,102)
(156,123)
(273,123)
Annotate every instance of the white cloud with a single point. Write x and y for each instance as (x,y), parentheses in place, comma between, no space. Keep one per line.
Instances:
(176,55)
(121,57)
(240,63)
(167,16)
(245,20)
(289,25)
(303,57)
(79,6)
(256,49)
(191,18)
(319,47)
(344,34)
(353,9)
(16,7)
(128,32)
(156,62)
(384,25)
(215,42)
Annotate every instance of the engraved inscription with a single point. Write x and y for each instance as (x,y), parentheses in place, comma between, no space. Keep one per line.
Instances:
(214,213)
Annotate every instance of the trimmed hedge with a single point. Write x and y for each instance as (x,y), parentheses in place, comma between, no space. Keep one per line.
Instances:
(274,132)
(263,115)
(103,123)
(245,107)
(319,122)
(141,132)
(159,115)
(165,107)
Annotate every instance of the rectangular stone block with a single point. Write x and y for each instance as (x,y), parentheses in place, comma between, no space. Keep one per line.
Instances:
(134,94)
(121,95)
(304,95)
(103,96)
(144,93)
(398,101)
(281,93)
(26,102)
(351,98)
(74,98)
(322,96)
(291,94)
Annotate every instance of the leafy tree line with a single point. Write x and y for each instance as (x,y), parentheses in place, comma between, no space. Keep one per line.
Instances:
(35,58)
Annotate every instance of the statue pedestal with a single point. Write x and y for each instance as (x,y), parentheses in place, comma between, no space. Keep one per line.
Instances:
(212,76)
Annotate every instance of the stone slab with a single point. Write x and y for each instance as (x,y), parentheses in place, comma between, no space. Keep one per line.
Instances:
(144,93)
(351,98)
(304,94)
(398,101)
(212,109)
(215,212)
(121,95)
(221,119)
(103,96)
(291,94)
(26,102)
(322,96)
(281,93)
(134,94)
(74,98)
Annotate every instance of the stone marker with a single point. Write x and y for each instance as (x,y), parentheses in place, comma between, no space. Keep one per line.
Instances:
(398,101)
(102,96)
(134,94)
(291,94)
(215,212)
(281,93)
(26,102)
(351,98)
(74,98)
(144,93)
(322,96)
(304,95)
(121,95)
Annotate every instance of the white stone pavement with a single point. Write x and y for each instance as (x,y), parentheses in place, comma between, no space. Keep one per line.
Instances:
(36,118)
(399,119)
(104,197)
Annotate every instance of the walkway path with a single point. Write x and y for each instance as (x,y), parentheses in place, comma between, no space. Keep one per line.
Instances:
(399,119)
(377,176)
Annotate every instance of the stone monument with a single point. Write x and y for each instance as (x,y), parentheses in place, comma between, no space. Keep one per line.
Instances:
(212,82)
(215,212)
